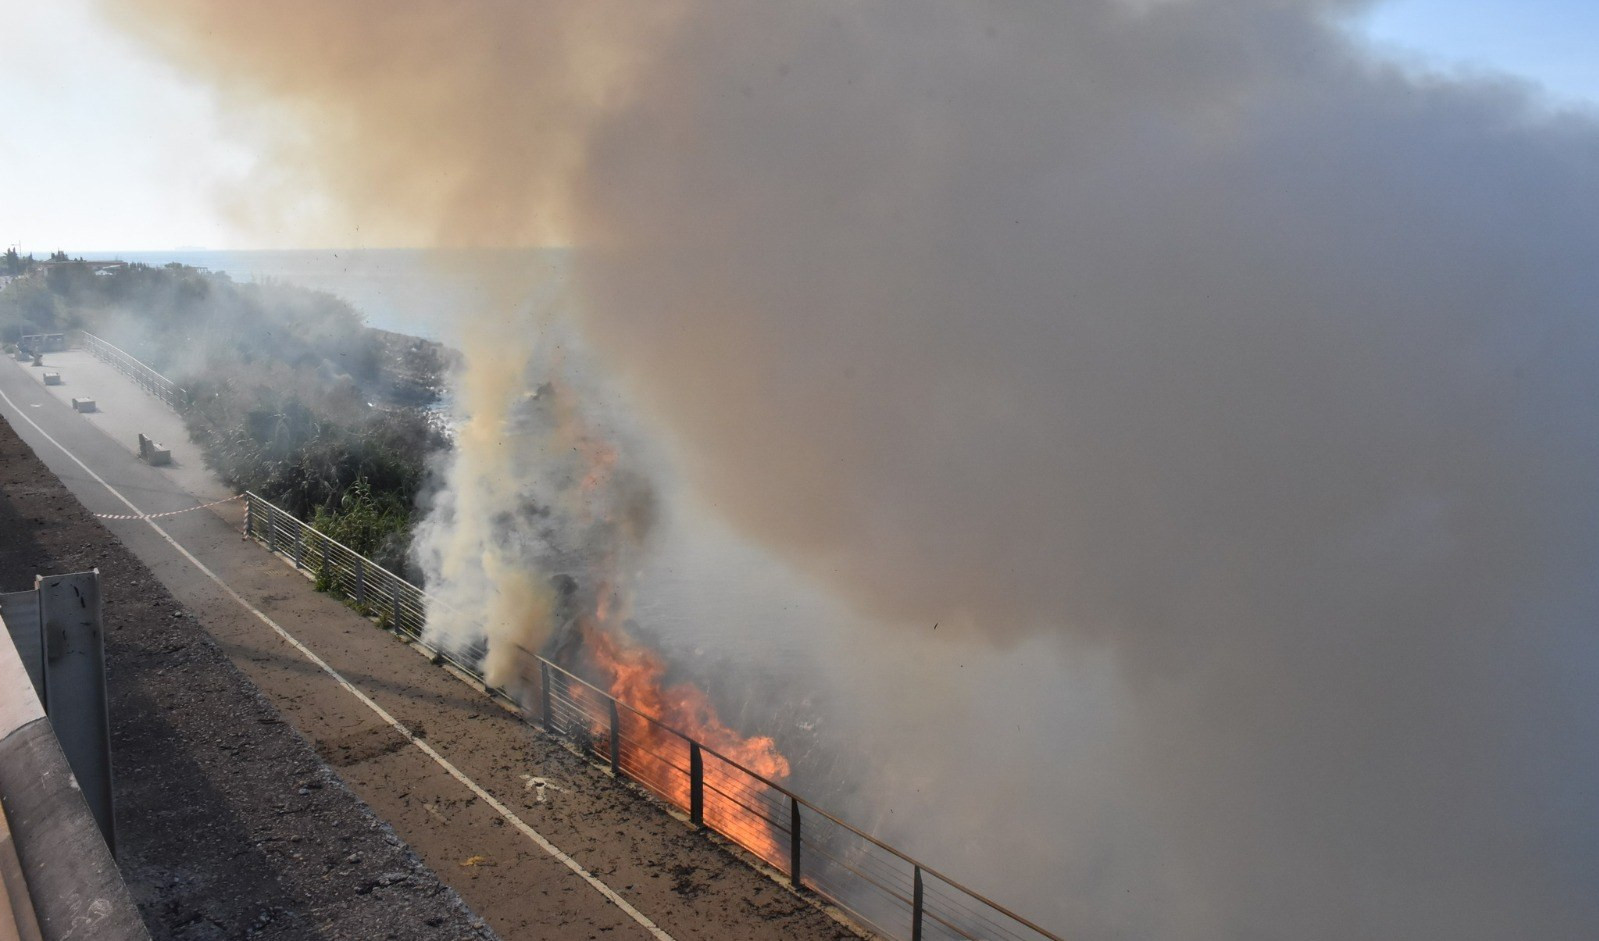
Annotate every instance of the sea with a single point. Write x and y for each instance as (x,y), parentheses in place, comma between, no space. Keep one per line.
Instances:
(408,291)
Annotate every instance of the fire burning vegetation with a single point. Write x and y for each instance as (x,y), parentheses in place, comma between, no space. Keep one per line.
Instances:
(662,723)
(636,676)
(656,728)
(581,520)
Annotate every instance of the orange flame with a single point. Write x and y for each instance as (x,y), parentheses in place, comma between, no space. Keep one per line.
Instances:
(736,805)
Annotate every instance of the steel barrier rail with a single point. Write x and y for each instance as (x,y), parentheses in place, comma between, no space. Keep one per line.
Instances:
(148,379)
(883,889)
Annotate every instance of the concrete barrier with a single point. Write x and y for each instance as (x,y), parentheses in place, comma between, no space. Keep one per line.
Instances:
(52,378)
(84,405)
(16,904)
(58,877)
(153,453)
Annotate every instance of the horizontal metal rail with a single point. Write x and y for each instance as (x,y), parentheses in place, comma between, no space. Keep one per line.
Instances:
(148,379)
(884,889)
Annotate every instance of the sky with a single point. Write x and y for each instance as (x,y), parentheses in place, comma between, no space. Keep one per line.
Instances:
(1549,41)
(101,145)
(105,148)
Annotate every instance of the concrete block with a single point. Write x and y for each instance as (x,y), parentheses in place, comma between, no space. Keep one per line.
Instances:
(153,453)
(52,378)
(83,405)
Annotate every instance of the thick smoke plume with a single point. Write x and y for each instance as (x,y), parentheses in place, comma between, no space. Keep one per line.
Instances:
(540,498)
(1185,331)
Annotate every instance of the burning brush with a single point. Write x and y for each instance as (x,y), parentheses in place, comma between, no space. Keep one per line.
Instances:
(657,718)
(580,508)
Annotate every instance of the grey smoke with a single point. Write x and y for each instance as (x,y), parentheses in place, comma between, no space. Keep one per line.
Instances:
(1195,334)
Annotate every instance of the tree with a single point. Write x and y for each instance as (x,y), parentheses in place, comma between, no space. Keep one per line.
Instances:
(13,264)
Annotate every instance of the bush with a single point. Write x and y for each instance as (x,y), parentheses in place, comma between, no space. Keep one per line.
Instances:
(375,525)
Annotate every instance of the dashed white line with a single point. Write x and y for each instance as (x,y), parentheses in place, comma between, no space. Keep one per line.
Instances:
(454,772)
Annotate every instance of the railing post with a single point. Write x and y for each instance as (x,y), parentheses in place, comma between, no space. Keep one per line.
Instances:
(916,905)
(360,580)
(546,702)
(793,842)
(249,507)
(696,785)
(616,739)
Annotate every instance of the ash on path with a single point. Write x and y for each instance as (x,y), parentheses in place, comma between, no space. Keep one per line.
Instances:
(228,824)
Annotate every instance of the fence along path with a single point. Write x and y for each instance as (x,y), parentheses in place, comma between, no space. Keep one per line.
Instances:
(148,379)
(882,888)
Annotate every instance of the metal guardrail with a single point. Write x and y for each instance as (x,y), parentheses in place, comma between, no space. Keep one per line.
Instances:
(883,889)
(148,379)
(58,631)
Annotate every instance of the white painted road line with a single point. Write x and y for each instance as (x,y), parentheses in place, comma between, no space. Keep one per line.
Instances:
(366,700)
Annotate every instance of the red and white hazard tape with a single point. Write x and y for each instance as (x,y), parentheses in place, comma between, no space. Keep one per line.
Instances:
(156,516)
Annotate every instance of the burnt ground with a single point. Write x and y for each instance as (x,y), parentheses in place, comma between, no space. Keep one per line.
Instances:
(229,825)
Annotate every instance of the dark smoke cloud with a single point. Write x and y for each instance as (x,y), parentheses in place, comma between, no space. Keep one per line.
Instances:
(1183,330)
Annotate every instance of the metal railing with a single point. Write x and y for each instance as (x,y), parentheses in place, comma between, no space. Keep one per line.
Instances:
(151,381)
(884,890)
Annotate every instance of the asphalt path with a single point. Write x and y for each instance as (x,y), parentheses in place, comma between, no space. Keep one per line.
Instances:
(585,857)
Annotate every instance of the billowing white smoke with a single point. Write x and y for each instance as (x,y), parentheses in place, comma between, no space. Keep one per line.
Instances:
(1183,333)
(538,486)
